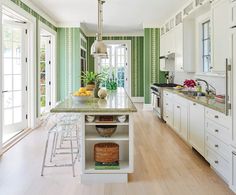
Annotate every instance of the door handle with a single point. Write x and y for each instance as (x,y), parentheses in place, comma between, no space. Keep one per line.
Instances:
(4,91)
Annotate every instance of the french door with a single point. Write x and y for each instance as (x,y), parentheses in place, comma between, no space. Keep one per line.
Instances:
(116,64)
(45,74)
(14,79)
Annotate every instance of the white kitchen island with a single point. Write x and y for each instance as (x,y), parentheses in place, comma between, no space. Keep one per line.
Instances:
(116,104)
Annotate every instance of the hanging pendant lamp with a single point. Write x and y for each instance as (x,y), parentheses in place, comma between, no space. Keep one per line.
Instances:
(99,49)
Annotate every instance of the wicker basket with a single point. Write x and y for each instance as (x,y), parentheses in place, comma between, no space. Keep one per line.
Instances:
(106,130)
(106,152)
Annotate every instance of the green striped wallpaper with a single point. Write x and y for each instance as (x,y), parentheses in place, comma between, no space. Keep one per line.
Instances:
(152,73)
(68,61)
(137,80)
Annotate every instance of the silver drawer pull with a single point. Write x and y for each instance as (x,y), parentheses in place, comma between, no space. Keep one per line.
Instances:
(216,116)
(166,116)
(216,130)
(178,106)
(194,104)
(216,145)
(234,153)
(216,161)
(167,104)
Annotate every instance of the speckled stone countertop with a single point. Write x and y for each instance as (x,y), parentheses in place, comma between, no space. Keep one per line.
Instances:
(203,100)
(116,102)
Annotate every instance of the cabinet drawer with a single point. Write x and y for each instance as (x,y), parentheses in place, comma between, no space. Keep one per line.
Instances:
(218,117)
(167,94)
(216,161)
(218,146)
(222,133)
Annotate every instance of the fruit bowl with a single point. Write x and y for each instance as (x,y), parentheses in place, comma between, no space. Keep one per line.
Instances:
(81,98)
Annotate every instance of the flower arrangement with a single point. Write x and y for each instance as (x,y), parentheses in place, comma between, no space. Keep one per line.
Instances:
(190,83)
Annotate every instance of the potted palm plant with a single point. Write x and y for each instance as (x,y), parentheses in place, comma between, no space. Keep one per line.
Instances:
(89,78)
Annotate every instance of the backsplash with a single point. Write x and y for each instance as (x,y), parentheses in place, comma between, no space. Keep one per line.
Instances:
(217,82)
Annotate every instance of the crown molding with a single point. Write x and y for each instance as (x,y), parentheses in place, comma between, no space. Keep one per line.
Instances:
(40,12)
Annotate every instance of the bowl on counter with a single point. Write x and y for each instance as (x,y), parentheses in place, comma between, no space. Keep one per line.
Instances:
(90,118)
(81,98)
(121,118)
(106,130)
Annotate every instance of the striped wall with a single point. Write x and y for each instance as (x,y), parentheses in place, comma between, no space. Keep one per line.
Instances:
(137,80)
(68,61)
(152,72)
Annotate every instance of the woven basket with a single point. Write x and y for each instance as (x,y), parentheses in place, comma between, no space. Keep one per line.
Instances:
(106,152)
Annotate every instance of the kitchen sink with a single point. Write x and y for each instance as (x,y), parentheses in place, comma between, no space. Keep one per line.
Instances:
(193,93)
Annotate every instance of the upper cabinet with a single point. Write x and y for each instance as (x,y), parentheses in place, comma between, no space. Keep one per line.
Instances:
(220,34)
(193,52)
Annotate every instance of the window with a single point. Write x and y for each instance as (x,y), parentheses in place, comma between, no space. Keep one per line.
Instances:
(206,46)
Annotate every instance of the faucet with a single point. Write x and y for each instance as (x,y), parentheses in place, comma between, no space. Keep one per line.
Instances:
(208,90)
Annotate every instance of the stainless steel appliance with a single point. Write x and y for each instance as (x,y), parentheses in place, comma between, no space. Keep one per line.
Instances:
(157,97)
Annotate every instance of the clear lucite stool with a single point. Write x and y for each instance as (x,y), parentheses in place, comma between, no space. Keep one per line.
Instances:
(64,132)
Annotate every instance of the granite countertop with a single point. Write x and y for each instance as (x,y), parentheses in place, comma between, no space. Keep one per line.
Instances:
(203,100)
(116,102)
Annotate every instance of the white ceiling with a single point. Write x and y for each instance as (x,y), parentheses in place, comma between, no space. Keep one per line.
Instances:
(120,16)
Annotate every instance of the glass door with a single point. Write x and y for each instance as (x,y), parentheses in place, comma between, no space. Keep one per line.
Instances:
(45,74)
(14,80)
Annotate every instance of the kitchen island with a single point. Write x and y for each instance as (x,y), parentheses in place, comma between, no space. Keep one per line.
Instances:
(115,105)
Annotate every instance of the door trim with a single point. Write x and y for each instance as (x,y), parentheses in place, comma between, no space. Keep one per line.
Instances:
(31,21)
(42,26)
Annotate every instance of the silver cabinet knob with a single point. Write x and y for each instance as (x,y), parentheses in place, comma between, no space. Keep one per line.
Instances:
(216,145)
(216,130)
(216,161)
(216,116)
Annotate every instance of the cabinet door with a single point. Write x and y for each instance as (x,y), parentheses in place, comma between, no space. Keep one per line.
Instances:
(162,52)
(179,48)
(177,118)
(184,123)
(220,34)
(233,171)
(196,127)
(233,58)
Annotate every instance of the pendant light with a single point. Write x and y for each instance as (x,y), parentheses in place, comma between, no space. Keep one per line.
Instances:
(99,49)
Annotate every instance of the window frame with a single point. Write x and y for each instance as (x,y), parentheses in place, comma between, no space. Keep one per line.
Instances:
(204,40)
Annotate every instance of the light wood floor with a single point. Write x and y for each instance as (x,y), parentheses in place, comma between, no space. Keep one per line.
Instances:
(164,165)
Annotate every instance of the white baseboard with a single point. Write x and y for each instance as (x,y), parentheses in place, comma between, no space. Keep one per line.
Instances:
(137,99)
(147,107)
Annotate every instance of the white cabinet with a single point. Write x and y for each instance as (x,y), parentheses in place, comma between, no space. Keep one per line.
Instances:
(220,34)
(218,133)
(233,170)
(179,66)
(168,108)
(167,46)
(196,127)
(233,59)
(180,124)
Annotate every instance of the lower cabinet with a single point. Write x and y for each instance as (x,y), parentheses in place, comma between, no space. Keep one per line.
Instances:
(197,127)
(218,163)
(233,170)
(180,124)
